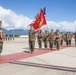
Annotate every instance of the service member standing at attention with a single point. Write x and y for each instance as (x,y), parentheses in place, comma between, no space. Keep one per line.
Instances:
(51,39)
(57,39)
(1,39)
(32,39)
(67,38)
(39,38)
(61,38)
(45,38)
(70,38)
(75,37)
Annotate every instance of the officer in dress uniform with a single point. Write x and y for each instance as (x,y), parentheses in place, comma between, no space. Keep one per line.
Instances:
(1,39)
(32,39)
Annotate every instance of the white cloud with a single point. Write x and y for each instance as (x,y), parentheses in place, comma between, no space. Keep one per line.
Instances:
(62,26)
(11,20)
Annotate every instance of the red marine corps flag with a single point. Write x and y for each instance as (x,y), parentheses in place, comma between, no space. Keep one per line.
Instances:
(39,21)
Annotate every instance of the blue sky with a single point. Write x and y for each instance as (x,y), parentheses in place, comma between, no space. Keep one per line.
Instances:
(60,14)
(56,10)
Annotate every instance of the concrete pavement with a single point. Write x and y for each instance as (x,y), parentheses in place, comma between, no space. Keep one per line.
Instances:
(61,62)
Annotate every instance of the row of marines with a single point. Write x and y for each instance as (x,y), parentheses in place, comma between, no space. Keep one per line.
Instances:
(54,38)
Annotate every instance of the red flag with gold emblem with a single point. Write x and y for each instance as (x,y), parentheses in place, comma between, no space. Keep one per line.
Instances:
(40,21)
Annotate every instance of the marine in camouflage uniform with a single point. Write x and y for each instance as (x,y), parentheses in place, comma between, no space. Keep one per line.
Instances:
(67,38)
(51,39)
(1,39)
(70,38)
(57,39)
(61,39)
(32,39)
(45,39)
(39,38)
(75,38)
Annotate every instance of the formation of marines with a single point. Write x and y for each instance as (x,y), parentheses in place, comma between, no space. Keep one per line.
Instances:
(55,39)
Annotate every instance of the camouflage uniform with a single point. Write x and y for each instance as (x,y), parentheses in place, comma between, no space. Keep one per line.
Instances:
(31,40)
(39,37)
(75,38)
(51,40)
(61,39)
(57,40)
(70,37)
(1,39)
(45,39)
(1,42)
(67,38)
